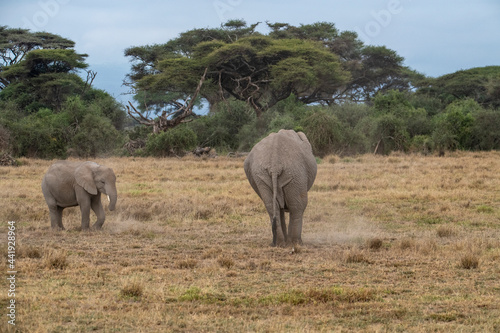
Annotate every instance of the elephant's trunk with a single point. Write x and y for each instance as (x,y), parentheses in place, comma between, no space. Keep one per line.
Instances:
(112,201)
(112,196)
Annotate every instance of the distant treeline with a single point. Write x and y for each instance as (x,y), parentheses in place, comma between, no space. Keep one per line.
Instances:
(347,97)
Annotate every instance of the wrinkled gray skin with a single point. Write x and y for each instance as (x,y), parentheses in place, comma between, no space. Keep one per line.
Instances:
(281,169)
(68,184)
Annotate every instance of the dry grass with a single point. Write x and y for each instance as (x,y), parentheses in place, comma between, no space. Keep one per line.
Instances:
(397,243)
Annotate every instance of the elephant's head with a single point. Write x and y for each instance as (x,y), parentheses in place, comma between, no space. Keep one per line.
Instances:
(96,178)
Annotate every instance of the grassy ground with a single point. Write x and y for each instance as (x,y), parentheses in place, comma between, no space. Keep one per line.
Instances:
(397,243)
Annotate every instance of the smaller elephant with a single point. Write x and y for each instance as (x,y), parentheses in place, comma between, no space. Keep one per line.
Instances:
(281,168)
(69,184)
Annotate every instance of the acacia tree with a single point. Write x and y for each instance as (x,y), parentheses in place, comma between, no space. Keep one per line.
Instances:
(45,105)
(480,84)
(15,44)
(243,64)
(145,65)
(316,63)
(44,78)
(373,69)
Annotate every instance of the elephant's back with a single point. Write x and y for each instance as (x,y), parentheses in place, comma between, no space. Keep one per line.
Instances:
(63,166)
(280,150)
(61,172)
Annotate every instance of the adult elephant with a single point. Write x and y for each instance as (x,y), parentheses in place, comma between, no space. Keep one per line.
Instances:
(281,169)
(68,184)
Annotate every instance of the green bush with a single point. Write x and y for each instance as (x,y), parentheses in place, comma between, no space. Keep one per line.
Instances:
(40,135)
(291,106)
(355,131)
(104,104)
(172,142)
(453,128)
(485,132)
(280,121)
(390,134)
(422,144)
(139,132)
(397,121)
(392,102)
(324,131)
(96,136)
(219,129)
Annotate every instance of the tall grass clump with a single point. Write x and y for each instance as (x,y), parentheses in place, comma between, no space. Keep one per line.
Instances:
(55,259)
(132,290)
(469,261)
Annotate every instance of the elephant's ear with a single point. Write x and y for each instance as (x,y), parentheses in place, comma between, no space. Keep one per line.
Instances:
(302,136)
(85,178)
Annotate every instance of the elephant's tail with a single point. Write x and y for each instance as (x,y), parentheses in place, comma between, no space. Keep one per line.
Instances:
(274,179)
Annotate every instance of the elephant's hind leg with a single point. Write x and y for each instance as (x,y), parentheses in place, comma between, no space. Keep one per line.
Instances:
(283,225)
(56,217)
(295,227)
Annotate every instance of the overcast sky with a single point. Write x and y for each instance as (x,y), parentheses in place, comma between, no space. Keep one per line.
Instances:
(435,37)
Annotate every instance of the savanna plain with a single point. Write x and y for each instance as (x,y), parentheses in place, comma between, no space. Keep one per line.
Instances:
(399,243)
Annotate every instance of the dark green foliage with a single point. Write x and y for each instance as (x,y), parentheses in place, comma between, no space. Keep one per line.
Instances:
(252,132)
(172,142)
(41,135)
(220,128)
(49,134)
(432,105)
(372,69)
(396,122)
(485,132)
(481,84)
(266,70)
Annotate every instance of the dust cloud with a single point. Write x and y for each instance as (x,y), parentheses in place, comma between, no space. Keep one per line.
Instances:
(340,229)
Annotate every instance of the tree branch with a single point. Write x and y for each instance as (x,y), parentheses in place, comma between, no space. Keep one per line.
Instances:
(162,123)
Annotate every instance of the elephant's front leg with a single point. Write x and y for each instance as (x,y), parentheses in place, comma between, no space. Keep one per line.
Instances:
(83,199)
(98,210)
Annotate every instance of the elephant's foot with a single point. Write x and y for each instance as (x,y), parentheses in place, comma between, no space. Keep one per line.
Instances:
(296,249)
(57,228)
(279,243)
(97,226)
